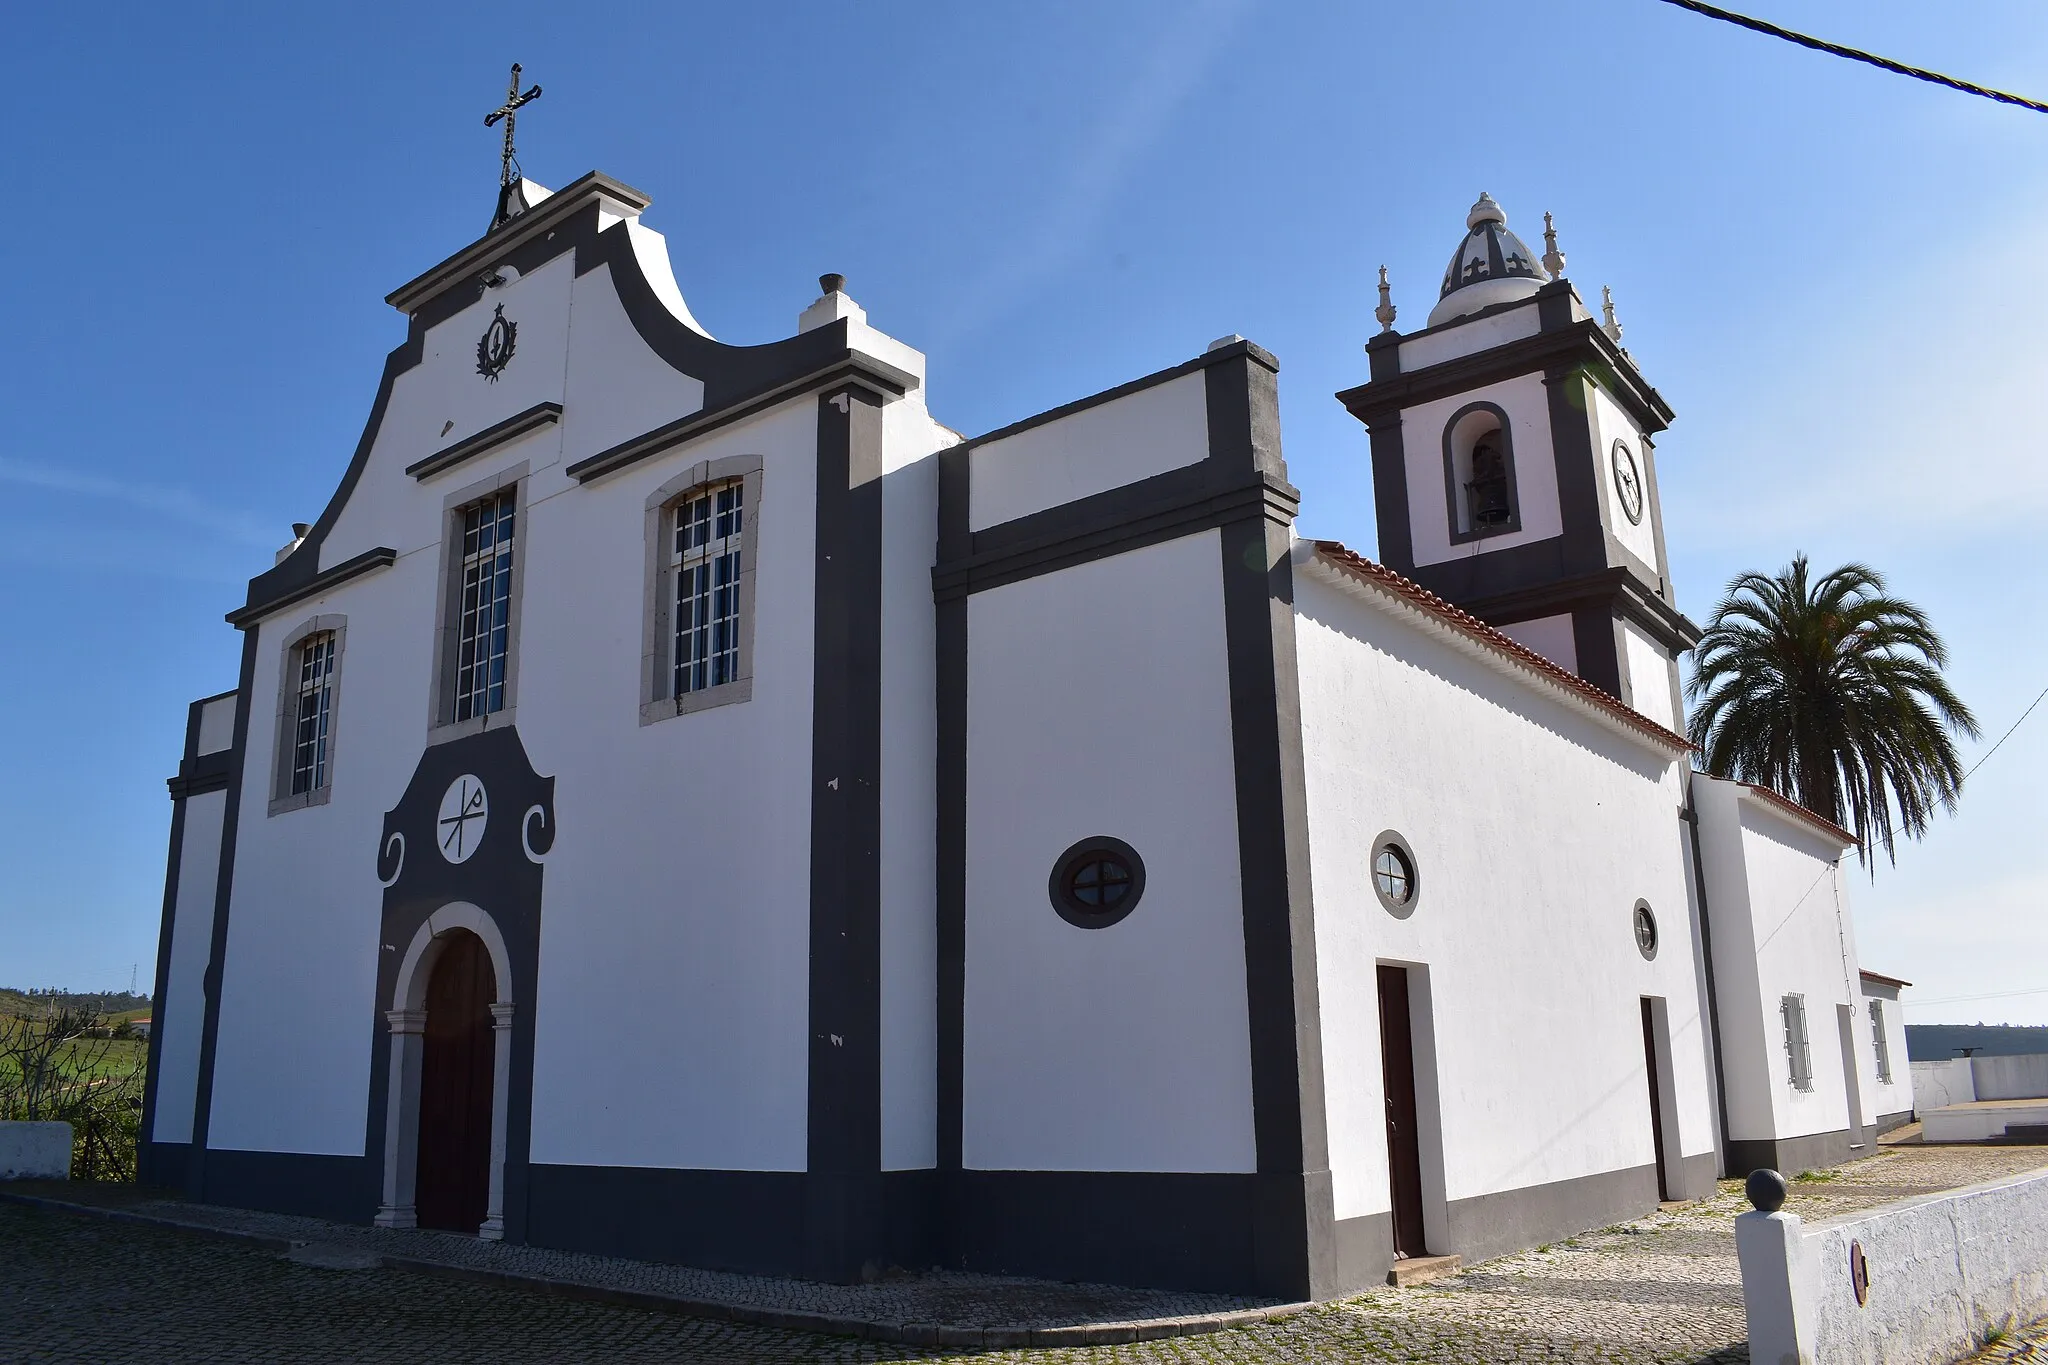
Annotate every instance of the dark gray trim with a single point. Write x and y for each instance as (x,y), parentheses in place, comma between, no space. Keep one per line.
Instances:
(751,1222)
(1400,909)
(1507,438)
(1365,1251)
(181,787)
(1790,1156)
(1887,1122)
(1153,1229)
(340,1189)
(1699,1174)
(1489,1225)
(383,557)
(1567,348)
(1164,507)
(855,368)
(223,905)
(844,1221)
(1219,356)
(950,791)
(490,438)
(1688,815)
(1294,1245)
(1083,916)
(539,224)
(206,773)
(503,880)
(1618,586)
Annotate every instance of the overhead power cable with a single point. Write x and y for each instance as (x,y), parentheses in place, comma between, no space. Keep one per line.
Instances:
(1856,55)
(2008,733)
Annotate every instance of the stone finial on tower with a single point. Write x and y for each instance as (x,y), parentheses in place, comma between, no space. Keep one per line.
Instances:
(1608,324)
(1385,312)
(1553,259)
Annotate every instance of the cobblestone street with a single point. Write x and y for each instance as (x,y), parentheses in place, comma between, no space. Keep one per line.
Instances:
(1662,1289)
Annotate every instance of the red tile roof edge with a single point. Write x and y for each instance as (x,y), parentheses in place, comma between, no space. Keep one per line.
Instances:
(1379,575)
(1881,979)
(1791,807)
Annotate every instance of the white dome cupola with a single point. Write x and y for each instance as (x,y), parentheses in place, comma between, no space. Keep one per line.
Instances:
(1491,265)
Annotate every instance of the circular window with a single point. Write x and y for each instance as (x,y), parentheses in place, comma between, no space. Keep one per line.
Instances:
(1393,874)
(1646,930)
(1097,882)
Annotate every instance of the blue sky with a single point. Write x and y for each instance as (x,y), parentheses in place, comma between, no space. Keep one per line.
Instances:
(1833,274)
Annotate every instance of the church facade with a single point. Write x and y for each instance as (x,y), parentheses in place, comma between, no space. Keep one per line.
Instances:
(682,801)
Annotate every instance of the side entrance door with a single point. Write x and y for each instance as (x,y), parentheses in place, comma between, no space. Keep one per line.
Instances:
(1404,1145)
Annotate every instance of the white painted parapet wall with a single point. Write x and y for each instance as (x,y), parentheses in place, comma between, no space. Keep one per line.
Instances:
(1939,1271)
(35,1151)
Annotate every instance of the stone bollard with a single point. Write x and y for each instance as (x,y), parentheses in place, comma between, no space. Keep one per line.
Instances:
(1776,1279)
(35,1151)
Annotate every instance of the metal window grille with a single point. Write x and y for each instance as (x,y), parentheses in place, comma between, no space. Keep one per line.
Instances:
(484,623)
(1797,1054)
(706,564)
(1878,1044)
(315,712)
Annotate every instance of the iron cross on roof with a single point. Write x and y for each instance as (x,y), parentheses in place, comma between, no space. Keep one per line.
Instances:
(508,176)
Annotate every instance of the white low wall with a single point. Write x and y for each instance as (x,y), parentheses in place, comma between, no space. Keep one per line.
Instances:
(1982,1121)
(35,1151)
(2010,1078)
(1937,1085)
(1941,1270)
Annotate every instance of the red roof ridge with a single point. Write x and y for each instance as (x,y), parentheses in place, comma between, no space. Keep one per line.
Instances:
(1791,807)
(1465,622)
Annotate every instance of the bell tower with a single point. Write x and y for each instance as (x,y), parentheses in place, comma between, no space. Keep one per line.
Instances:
(1513,468)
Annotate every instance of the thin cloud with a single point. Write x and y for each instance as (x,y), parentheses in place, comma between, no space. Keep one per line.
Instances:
(1073,212)
(177,504)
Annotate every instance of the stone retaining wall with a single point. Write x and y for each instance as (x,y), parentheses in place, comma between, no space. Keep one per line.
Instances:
(1914,1283)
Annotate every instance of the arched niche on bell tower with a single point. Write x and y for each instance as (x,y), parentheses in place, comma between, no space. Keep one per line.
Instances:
(1481,498)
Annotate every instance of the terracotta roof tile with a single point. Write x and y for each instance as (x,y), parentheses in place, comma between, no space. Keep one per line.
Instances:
(1380,576)
(1791,807)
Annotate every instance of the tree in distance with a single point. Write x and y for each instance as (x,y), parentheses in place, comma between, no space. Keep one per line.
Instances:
(1830,693)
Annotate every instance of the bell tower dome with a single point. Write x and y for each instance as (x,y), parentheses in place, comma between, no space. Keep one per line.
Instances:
(1513,467)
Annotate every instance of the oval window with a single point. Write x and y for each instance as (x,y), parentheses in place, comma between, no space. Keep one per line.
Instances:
(1646,930)
(1097,882)
(1393,874)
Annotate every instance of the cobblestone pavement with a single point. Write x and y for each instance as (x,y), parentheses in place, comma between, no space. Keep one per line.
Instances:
(2028,1345)
(1662,1289)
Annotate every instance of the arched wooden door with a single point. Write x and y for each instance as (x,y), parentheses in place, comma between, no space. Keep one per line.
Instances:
(454,1181)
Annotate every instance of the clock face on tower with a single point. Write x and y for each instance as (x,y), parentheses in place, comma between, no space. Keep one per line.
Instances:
(1628,483)
(464,812)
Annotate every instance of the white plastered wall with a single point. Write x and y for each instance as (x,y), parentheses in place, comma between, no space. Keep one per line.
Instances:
(1527,403)
(1649,676)
(1896,1095)
(1610,423)
(1464,338)
(1535,830)
(1165,426)
(181,1016)
(1781,926)
(1098,704)
(1550,636)
(678,885)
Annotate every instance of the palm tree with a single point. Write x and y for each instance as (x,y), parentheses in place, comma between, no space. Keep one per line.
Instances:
(1830,693)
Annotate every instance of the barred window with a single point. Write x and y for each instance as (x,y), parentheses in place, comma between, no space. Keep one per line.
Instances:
(484,623)
(705,561)
(314,714)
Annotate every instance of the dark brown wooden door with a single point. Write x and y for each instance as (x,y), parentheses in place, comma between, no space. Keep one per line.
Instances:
(1656,1096)
(1404,1146)
(454,1183)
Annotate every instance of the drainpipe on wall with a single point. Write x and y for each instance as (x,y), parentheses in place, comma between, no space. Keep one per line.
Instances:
(1688,815)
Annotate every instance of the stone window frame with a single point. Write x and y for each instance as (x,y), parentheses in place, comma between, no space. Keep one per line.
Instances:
(1060,887)
(658,701)
(1452,489)
(1643,913)
(441,727)
(282,797)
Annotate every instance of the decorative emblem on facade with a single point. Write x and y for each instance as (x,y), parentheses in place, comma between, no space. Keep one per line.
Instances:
(494,351)
(465,810)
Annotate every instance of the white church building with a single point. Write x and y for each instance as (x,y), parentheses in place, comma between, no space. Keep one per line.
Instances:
(682,801)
